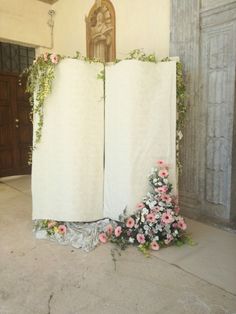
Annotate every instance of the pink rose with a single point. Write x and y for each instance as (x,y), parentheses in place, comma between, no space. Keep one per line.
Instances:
(102,237)
(167,218)
(140,238)
(151,218)
(182,225)
(62,229)
(140,206)
(155,246)
(109,229)
(163,173)
(130,222)
(118,231)
(54,58)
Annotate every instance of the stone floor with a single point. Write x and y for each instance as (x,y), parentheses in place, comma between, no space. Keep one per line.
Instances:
(41,277)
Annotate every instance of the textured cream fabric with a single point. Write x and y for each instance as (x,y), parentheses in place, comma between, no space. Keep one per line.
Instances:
(140,128)
(67,174)
(68,181)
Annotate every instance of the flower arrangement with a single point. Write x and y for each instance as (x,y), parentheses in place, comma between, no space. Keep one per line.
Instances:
(53,227)
(156,221)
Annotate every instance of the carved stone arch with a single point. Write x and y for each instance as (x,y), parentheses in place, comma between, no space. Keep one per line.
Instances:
(101,31)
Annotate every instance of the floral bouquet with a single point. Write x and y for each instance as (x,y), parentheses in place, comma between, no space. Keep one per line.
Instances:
(156,221)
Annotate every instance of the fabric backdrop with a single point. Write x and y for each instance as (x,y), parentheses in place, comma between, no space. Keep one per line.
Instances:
(67,172)
(68,180)
(140,128)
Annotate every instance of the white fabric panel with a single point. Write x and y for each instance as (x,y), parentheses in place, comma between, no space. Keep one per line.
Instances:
(67,173)
(140,128)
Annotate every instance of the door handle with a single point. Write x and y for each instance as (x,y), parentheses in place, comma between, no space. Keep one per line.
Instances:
(17,120)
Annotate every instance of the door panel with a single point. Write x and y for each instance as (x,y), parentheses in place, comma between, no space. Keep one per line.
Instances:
(7,145)
(15,127)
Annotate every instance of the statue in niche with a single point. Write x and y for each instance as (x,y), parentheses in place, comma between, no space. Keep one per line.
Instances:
(100,26)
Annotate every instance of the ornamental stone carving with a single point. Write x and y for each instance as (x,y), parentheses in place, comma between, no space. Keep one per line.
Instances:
(100,31)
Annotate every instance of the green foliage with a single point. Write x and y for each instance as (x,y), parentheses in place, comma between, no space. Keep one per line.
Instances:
(138,54)
(121,242)
(145,249)
(40,77)
(181,105)
(101,75)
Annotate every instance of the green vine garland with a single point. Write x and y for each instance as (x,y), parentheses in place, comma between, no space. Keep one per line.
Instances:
(40,76)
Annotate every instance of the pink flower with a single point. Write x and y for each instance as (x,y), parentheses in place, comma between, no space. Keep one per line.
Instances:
(62,229)
(109,229)
(54,58)
(163,173)
(182,225)
(177,209)
(140,206)
(166,218)
(51,223)
(169,239)
(155,209)
(166,198)
(155,246)
(118,231)
(151,217)
(140,238)
(45,56)
(130,222)
(102,237)
(175,225)
(161,189)
(161,163)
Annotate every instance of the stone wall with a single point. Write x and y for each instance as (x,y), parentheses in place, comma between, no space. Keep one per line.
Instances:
(203,35)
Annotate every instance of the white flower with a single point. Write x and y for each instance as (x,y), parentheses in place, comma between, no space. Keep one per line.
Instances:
(165,181)
(167,228)
(155,180)
(131,240)
(159,183)
(176,231)
(142,218)
(152,204)
(156,238)
(145,211)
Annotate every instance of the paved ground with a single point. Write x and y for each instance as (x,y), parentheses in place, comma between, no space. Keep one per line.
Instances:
(41,277)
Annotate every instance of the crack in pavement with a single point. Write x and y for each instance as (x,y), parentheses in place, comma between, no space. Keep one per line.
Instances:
(49,302)
(196,276)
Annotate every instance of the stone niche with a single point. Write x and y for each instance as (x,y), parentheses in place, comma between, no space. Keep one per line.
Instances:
(101,32)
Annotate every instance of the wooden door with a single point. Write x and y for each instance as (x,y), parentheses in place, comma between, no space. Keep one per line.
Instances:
(15,127)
